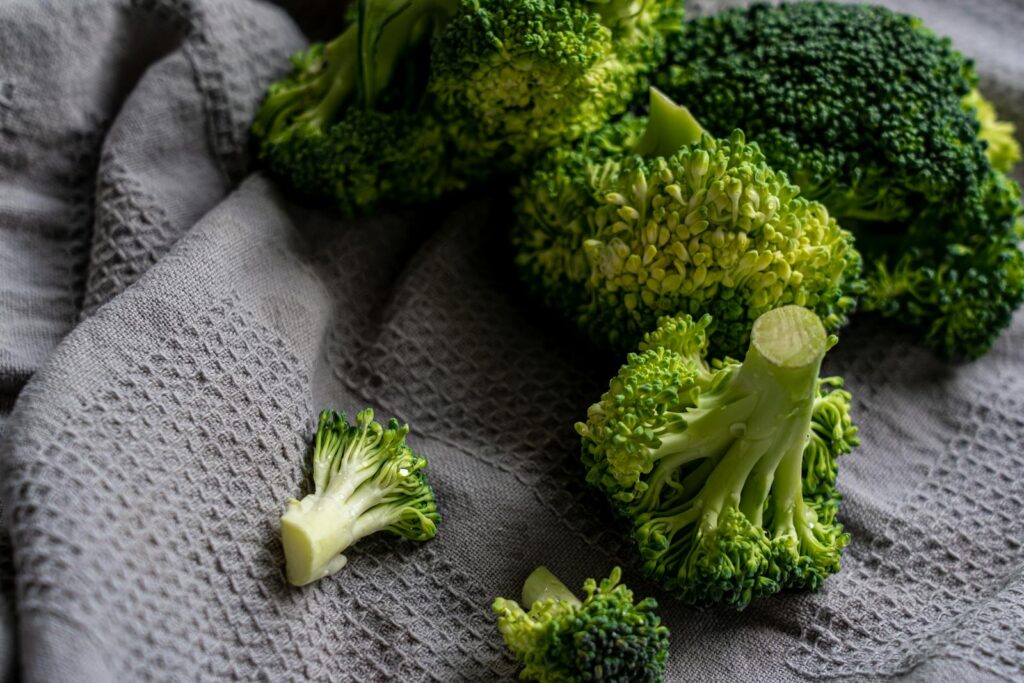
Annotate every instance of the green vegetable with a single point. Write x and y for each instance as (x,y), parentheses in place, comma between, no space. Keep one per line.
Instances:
(878,118)
(726,471)
(351,122)
(606,637)
(416,98)
(517,77)
(365,480)
(631,224)
(1002,149)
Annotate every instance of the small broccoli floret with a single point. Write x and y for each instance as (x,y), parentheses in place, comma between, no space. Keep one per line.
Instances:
(351,122)
(726,471)
(617,239)
(878,118)
(1003,150)
(606,637)
(365,480)
(516,77)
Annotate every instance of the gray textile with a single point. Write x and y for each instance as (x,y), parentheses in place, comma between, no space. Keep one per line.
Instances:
(170,324)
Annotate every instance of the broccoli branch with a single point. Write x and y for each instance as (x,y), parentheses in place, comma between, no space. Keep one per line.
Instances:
(669,127)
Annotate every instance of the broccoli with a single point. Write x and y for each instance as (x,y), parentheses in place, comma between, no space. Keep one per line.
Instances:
(416,98)
(726,471)
(872,114)
(632,224)
(352,121)
(520,76)
(604,638)
(365,480)
(1001,148)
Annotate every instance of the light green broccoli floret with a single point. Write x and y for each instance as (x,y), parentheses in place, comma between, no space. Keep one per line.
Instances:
(606,637)
(351,122)
(365,480)
(725,471)
(645,219)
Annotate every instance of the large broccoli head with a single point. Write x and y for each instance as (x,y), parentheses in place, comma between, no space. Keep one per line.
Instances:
(700,225)
(516,77)
(726,471)
(878,118)
(606,637)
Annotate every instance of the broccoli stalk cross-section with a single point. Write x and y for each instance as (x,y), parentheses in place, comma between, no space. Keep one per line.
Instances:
(604,637)
(365,480)
(726,471)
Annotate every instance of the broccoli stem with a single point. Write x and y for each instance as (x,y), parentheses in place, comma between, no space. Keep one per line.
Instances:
(543,585)
(387,30)
(669,127)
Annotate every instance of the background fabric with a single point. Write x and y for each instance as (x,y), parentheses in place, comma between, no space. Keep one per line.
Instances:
(170,323)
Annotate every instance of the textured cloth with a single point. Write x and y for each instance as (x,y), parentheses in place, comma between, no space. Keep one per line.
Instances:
(170,324)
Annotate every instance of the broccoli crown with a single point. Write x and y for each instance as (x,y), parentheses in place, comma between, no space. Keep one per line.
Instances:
(352,121)
(617,240)
(874,115)
(519,76)
(365,480)
(726,471)
(606,637)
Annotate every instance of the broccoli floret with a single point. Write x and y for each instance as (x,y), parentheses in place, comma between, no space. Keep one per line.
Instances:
(726,471)
(365,480)
(1002,149)
(616,239)
(606,637)
(874,115)
(352,122)
(517,77)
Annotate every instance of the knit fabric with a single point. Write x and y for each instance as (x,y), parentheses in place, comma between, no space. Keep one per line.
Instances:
(171,323)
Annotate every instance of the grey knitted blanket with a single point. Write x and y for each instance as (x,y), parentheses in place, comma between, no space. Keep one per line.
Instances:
(170,323)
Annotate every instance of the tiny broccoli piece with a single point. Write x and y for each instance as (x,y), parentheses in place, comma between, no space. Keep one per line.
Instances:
(631,224)
(874,115)
(351,122)
(365,480)
(606,637)
(726,471)
(517,77)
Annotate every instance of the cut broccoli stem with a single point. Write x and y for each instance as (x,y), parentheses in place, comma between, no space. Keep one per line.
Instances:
(543,585)
(787,346)
(669,127)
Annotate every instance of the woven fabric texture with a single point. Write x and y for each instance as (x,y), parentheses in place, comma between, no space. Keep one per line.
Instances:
(170,323)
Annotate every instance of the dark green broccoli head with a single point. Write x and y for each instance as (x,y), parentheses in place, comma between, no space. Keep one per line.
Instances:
(726,471)
(878,118)
(616,240)
(516,77)
(606,637)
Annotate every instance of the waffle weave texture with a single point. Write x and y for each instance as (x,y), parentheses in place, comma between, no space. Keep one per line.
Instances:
(170,324)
